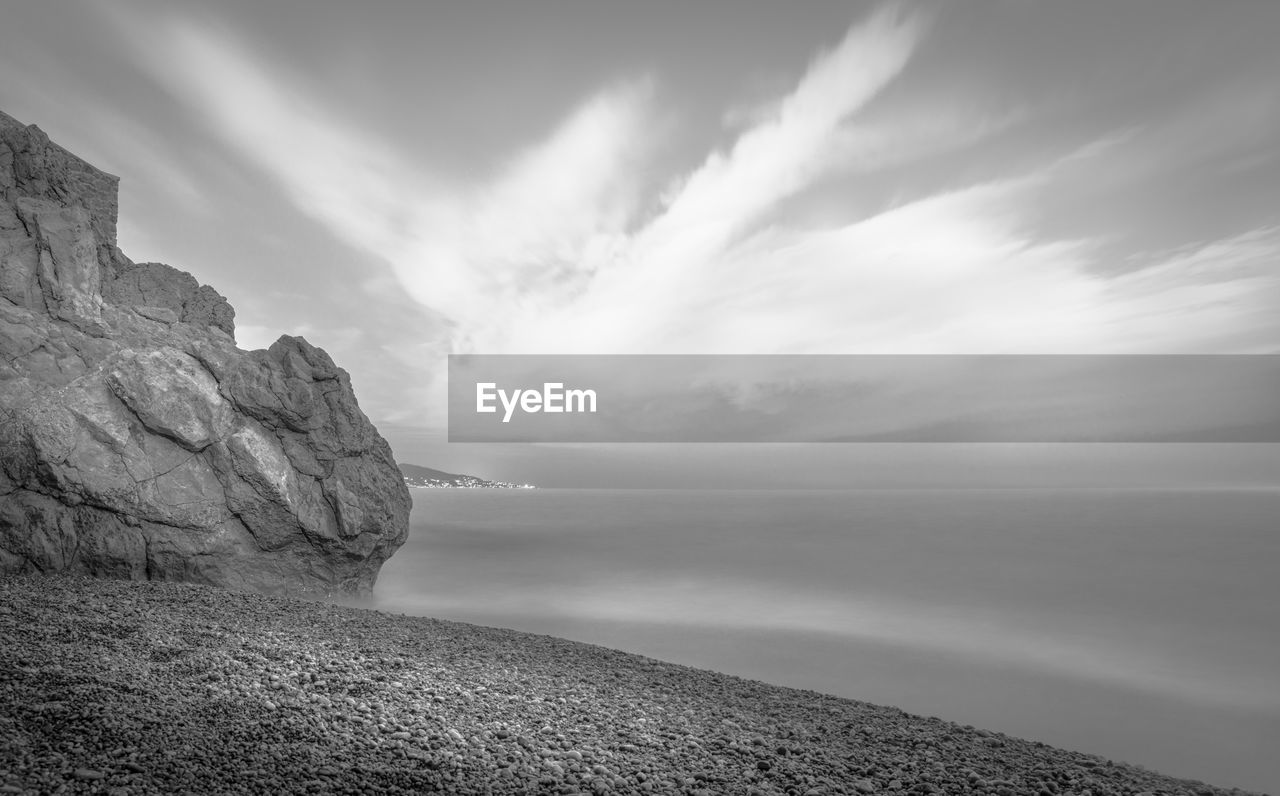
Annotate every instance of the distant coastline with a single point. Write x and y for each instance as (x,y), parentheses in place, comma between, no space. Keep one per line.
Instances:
(419,477)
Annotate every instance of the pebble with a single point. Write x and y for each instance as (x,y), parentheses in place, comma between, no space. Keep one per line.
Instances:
(584,719)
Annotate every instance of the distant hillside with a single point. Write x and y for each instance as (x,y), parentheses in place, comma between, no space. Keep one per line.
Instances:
(418,476)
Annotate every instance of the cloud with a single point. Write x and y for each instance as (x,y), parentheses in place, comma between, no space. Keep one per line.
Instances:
(567,247)
(333,170)
(650,274)
(1218,295)
(781,155)
(535,235)
(534,229)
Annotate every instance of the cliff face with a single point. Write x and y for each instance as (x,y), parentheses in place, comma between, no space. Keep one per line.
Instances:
(136,439)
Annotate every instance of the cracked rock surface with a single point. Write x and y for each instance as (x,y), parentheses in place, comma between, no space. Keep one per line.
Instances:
(137,440)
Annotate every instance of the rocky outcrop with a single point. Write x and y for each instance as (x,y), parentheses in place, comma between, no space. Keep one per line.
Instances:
(137,440)
(163,293)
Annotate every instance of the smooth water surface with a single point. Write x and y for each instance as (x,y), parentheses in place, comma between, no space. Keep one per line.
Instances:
(1143,625)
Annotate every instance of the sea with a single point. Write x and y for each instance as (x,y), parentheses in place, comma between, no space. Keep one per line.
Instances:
(1142,625)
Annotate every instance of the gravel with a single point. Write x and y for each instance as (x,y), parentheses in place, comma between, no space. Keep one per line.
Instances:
(120,687)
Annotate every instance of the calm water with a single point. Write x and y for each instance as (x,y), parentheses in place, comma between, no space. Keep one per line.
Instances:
(1140,625)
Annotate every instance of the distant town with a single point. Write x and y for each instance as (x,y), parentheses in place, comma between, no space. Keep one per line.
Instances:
(421,477)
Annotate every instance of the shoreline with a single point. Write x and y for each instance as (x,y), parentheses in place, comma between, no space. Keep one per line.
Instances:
(134,687)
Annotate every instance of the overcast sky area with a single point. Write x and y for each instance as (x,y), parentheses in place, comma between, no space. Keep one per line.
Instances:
(399,181)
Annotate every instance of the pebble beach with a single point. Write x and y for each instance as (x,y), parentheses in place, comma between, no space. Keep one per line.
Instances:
(121,687)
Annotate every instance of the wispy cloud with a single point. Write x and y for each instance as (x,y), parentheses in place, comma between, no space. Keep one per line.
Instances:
(781,155)
(567,247)
(674,262)
(535,235)
(331,168)
(1219,295)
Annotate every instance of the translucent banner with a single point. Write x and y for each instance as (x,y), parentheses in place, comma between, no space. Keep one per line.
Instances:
(836,398)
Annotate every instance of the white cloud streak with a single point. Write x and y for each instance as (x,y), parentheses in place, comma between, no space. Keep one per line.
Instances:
(552,254)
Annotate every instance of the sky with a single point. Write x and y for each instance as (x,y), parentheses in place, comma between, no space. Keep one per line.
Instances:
(402,181)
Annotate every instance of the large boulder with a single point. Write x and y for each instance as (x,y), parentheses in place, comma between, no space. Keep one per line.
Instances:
(137,440)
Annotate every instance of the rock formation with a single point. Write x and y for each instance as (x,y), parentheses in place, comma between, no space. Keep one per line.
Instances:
(137,440)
